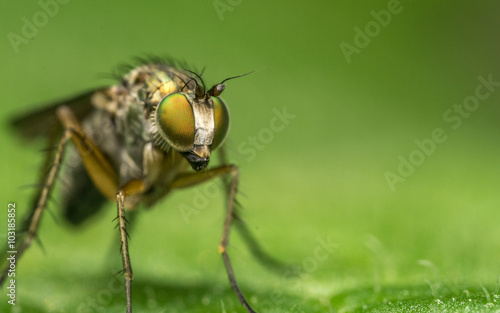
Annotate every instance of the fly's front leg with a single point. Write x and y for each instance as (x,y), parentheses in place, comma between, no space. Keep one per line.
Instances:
(105,179)
(188,180)
(36,215)
(127,267)
(132,188)
(96,164)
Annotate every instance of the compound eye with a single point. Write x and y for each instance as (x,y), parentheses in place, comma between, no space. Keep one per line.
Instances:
(175,121)
(221,121)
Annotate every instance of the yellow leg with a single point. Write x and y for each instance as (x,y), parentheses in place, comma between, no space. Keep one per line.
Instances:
(98,167)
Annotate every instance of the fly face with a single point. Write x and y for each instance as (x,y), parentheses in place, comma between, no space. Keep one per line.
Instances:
(193,123)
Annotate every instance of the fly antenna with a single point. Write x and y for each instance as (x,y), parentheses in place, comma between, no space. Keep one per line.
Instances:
(217,89)
(225,80)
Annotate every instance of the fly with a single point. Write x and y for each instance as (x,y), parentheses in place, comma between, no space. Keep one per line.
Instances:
(135,143)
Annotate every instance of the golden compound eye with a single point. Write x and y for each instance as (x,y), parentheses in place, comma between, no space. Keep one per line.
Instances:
(221,121)
(175,121)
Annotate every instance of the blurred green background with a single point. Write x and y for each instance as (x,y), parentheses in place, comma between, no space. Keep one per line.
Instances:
(363,81)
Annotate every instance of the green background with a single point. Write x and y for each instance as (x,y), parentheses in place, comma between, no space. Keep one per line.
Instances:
(430,244)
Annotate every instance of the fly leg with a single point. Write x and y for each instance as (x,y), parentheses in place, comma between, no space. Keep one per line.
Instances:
(106,180)
(188,180)
(225,238)
(35,217)
(102,175)
(132,188)
(255,248)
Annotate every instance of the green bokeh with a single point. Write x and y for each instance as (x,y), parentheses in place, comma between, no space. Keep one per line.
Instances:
(433,237)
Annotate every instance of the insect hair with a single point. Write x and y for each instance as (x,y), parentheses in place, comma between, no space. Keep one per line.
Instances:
(197,76)
(122,69)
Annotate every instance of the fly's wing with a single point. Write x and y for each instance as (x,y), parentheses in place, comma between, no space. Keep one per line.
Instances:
(43,122)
